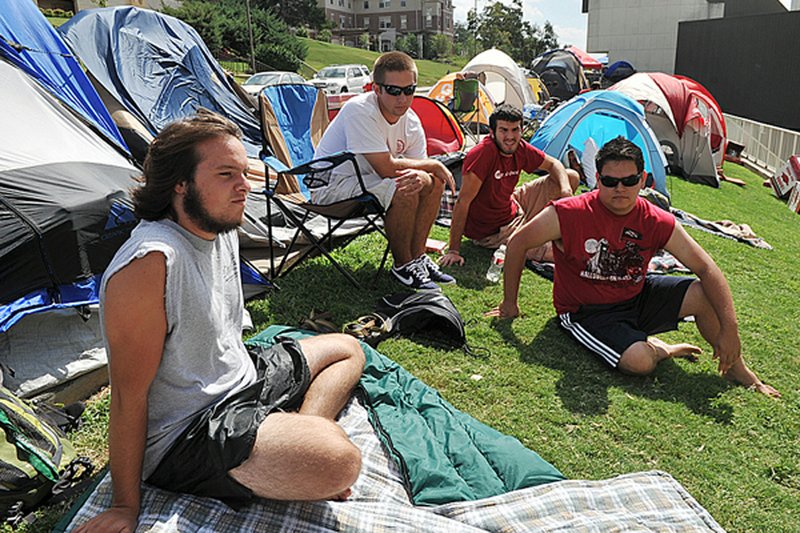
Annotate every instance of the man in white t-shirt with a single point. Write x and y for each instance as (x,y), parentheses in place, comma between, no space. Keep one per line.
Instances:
(389,143)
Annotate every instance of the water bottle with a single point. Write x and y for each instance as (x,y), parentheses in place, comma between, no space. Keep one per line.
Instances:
(496,268)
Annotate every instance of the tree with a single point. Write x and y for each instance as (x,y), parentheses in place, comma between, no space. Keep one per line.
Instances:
(408,44)
(294,12)
(222,24)
(438,47)
(502,26)
(363,40)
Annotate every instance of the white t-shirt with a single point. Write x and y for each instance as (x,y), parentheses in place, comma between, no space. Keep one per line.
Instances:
(361,128)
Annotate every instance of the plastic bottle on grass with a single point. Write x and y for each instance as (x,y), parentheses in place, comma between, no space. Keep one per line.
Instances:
(496,268)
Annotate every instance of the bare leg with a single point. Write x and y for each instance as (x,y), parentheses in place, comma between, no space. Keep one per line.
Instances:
(641,358)
(306,456)
(299,457)
(400,224)
(336,361)
(696,303)
(430,198)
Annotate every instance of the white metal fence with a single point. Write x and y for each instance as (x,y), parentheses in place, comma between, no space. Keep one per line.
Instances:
(767,147)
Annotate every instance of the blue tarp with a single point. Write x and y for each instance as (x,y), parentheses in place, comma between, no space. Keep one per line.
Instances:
(602,115)
(29,42)
(157,67)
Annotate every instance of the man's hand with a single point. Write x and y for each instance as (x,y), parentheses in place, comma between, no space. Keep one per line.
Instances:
(728,349)
(115,520)
(410,181)
(504,310)
(442,173)
(451,258)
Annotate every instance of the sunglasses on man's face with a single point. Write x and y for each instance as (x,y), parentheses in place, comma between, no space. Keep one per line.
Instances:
(395,90)
(628,181)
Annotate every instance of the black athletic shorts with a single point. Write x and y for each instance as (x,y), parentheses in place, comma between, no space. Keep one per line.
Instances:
(608,330)
(222,437)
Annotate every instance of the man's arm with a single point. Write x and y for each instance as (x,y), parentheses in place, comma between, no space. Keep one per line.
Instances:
(470,185)
(388,166)
(728,349)
(557,174)
(135,326)
(543,228)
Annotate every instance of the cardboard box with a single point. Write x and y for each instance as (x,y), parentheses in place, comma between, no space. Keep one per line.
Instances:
(794,198)
(784,180)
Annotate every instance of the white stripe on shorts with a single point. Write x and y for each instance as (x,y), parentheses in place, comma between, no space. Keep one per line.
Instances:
(587,339)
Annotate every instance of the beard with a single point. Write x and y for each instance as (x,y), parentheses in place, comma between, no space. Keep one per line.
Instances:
(196,210)
(502,148)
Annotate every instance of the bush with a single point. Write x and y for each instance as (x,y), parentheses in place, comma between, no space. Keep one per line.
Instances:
(278,57)
(301,31)
(324,35)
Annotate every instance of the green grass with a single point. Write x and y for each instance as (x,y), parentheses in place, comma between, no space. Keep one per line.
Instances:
(321,54)
(732,449)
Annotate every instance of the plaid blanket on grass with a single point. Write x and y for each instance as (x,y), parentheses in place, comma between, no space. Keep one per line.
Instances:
(646,501)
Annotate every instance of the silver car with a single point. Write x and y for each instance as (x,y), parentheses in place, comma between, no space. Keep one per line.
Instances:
(258,81)
(335,79)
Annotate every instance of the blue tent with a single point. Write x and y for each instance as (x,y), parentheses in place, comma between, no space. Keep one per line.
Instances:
(157,67)
(602,115)
(29,42)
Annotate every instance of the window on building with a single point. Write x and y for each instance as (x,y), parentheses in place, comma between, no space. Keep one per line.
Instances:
(385,22)
(366,22)
(341,21)
(402,3)
(384,3)
(366,4)
(341,3)
(403,22)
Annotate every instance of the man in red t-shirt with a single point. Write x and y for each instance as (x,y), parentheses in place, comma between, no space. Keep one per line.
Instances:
(603,242)
(490,206)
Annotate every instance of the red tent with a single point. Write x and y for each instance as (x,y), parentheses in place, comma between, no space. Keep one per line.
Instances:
(442,131)
(587,61)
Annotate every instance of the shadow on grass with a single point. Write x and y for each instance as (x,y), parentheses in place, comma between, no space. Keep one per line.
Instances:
(584,383)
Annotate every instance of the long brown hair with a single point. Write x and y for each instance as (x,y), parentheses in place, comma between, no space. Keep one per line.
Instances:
(172,158)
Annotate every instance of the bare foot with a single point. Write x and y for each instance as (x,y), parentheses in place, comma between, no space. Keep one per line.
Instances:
(342,496)
(683,351)
(739,373)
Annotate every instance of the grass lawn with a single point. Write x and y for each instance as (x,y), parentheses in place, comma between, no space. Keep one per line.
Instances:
(734,450)
(321,54)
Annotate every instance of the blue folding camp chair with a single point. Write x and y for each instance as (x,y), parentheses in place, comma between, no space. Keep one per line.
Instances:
(293,118)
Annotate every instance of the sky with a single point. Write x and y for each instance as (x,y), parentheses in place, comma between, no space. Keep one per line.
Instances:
(565,16)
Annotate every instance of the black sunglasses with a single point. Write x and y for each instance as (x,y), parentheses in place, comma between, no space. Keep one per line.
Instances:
(395,90)
(628,181)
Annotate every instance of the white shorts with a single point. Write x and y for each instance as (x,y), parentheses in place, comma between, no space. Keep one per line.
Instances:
(344,187)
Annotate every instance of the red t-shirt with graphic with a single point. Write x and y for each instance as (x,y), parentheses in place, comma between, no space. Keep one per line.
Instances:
(492,207)
(605,256)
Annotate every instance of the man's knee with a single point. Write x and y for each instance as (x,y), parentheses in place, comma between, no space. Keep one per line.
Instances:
(405,202)
(350,346)
(695,302)
(574,179)
(638,359)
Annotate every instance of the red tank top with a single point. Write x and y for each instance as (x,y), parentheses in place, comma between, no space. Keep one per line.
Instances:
(605,256)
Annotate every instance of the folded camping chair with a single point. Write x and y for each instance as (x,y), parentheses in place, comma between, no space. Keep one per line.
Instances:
(467,106)
(293,118)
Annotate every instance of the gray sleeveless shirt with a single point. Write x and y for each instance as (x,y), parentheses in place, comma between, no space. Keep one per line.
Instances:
(204,360)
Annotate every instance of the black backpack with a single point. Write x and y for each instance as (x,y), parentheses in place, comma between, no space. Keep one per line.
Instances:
(427,314)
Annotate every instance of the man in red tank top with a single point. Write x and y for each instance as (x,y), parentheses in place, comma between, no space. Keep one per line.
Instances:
(602,243)
(490,206)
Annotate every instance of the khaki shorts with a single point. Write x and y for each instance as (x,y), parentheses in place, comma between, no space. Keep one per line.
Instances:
(531,197)
(344,187)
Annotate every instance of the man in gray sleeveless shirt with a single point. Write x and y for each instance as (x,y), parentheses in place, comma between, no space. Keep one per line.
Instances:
(191,409)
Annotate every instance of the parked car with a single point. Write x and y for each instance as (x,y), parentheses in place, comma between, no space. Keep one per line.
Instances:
(335,79)
(258,81)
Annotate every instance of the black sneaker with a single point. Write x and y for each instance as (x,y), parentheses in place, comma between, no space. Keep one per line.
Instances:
(434,272)
(414,276)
